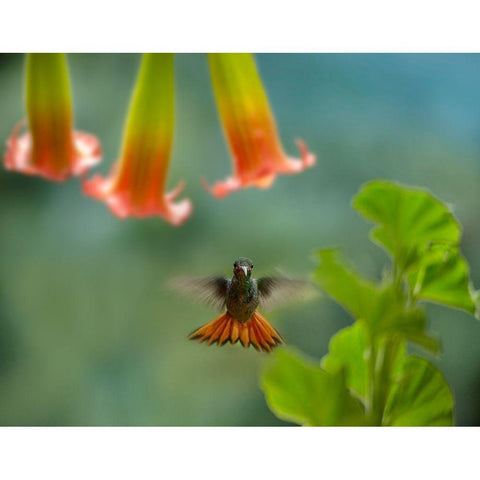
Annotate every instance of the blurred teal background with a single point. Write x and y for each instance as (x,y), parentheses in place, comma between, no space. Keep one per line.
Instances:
(88,333)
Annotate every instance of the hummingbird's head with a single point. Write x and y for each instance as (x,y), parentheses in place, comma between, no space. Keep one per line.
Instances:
(242,268)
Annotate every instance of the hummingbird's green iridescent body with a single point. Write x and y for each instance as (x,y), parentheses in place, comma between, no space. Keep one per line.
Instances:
(242,291)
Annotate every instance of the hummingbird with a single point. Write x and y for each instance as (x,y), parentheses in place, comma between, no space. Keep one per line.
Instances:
(240,297)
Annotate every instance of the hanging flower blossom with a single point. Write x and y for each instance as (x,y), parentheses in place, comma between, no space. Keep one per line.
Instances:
(249,126)
(50,148)
(136,185)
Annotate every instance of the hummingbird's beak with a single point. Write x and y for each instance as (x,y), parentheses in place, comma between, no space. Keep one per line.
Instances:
(245,270)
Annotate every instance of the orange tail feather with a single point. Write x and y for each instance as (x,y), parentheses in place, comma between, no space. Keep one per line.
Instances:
(256,331)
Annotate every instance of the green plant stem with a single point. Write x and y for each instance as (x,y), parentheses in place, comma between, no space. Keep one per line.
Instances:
(371,412)
(381,374)
(383,352)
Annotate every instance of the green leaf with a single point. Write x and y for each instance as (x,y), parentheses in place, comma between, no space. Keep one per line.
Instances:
(348,351)
(445,280)
(298,390)
(382,308)
(420,396)
(412,326)
(422,235)
(409,219)
(414,390)
(392,317)
(354,292)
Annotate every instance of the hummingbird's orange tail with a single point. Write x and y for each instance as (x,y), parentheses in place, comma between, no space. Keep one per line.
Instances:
(256,331)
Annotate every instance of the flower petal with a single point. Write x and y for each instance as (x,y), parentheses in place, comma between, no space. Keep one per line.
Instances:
(18,157)
(267,177)
(122,205)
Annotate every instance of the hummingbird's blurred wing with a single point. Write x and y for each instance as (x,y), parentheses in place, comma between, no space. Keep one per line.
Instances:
(209,290)
(273,291)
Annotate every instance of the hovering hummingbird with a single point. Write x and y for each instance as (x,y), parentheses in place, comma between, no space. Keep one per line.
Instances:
(240,295)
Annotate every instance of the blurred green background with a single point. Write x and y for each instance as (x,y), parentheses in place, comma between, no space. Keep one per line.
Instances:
(88,333)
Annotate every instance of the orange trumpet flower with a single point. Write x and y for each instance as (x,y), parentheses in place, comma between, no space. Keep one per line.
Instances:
(137,183)
(249,125)
(50,148)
